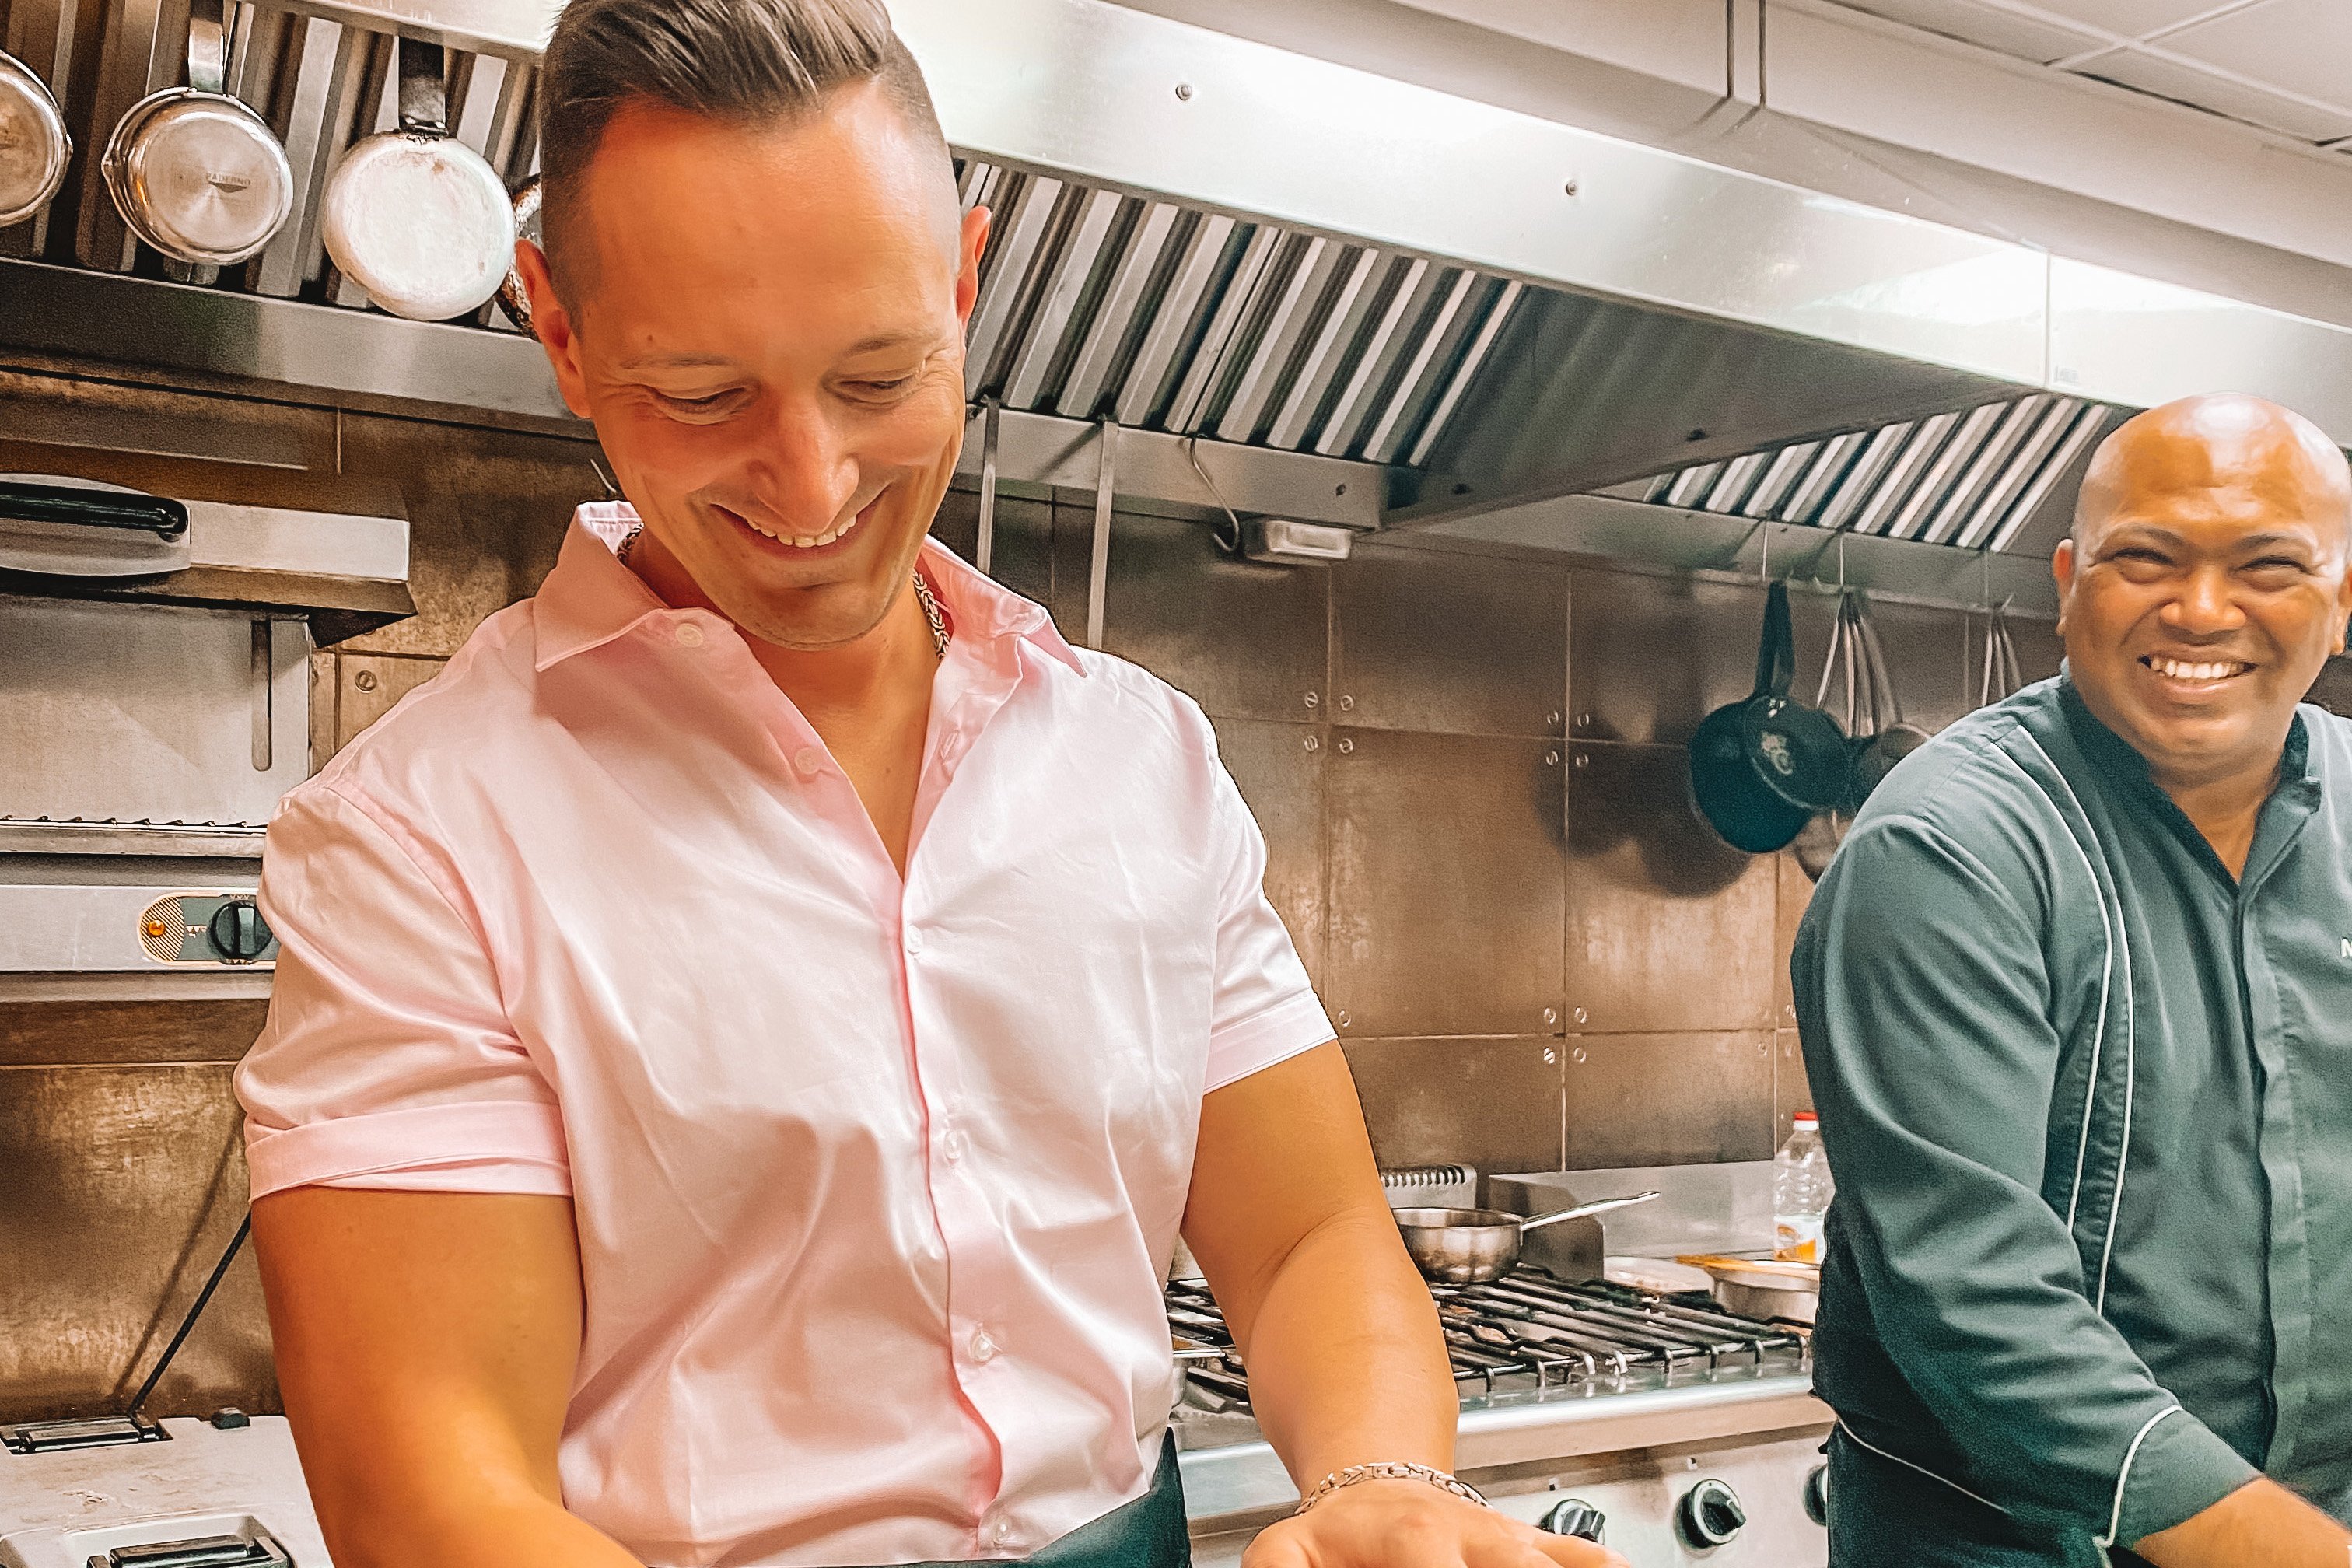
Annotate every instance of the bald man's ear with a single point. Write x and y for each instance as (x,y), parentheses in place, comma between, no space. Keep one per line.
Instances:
(2062,568)
(2343,613)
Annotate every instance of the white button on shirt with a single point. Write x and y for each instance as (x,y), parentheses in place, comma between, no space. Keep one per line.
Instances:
(568,922)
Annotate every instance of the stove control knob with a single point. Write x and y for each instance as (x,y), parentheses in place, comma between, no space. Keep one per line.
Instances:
(1711,1514)
(1817,1495)
(239,933)
(1576,1518)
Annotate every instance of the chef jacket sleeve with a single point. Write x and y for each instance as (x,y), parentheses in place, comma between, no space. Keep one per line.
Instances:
(1921,991)
(1264,1009)
(387,1060)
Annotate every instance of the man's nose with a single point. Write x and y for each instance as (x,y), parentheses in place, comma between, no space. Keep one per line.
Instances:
(808,474)
(2206,604)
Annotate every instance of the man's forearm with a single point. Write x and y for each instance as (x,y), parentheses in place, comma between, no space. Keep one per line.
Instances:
(528,1533)
(1347,1364)
(2260,1525)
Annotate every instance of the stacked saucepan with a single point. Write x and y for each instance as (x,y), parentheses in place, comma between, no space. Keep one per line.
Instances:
(413,216)
(1772,770)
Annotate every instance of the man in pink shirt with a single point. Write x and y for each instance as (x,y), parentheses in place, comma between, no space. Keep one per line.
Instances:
(750,1034)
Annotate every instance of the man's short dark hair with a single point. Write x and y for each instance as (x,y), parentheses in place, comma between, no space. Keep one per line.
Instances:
(745,62)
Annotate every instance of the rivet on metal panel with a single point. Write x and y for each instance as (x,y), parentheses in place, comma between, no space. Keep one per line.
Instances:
(1584,721)
(1569,189)
(1579,1015)
(1763,1047)
(1314,699)
(1551,1016)
(1551,1056)
(1314,743)
(1584,759)
(1343,1019)
(1552,718)
(1578,1055)
(1347,746)
(1185,91)
(1347,703)
(364,680)
(1552,759)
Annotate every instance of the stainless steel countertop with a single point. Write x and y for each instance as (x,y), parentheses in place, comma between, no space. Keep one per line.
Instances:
(1231,1473)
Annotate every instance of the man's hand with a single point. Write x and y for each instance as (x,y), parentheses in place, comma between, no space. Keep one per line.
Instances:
(2260,1525)
(1410,1524)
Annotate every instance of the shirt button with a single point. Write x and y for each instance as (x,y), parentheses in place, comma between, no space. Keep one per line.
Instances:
(952,1145)
(983,1348)
(1000,1532)
(808,760)
(690,635)
(914,938)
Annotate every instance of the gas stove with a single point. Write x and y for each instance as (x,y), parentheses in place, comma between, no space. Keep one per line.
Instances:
(1677,1432)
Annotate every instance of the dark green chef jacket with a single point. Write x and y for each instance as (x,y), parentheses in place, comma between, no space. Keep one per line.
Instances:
(2088,1103)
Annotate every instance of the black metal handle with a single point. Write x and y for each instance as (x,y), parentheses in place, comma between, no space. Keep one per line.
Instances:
(22,502)
(1776,654)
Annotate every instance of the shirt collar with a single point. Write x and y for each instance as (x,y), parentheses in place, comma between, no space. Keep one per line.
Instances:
(591,599)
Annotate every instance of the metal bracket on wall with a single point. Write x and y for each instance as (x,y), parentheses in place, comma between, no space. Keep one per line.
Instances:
(983,552)
(1099,560)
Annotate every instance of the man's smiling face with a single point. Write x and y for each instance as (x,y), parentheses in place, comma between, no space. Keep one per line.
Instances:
(766,324)
(2206,586)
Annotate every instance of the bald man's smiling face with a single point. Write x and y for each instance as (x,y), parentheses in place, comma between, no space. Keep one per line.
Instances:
(2206,585)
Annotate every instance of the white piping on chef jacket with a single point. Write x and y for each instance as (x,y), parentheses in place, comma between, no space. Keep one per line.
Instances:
(1923,1470)
(2116,1519)
(2123,1153)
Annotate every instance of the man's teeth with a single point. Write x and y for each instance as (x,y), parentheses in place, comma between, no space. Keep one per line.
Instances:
(827,537)
(2179,670)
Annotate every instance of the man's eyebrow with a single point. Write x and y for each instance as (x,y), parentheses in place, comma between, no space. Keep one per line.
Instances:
(2254,541)
(882,341)
(679,362)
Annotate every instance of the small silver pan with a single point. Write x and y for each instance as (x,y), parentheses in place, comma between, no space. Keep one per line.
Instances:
(1470,1246)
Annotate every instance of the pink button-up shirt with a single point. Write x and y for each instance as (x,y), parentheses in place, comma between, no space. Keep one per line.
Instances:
(876,1182)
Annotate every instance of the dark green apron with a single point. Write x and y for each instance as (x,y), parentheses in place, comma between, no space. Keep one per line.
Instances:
(1148,1533)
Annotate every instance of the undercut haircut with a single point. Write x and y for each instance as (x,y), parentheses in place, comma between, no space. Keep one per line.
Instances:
(742,62)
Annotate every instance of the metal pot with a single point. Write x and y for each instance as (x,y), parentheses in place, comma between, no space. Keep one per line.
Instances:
(1761,767)
(1757,1288)
(414,217)
(1470,1246)
(514,300)
(196,173)
(34,145)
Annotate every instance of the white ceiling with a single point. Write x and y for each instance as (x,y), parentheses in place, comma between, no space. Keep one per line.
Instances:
(2282,64)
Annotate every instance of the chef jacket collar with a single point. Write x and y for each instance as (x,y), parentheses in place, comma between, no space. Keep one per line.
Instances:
(591,599)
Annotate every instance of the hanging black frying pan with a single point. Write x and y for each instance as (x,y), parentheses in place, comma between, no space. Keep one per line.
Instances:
(1761,767)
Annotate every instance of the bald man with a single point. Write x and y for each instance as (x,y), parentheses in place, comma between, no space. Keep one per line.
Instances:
(2076,1001)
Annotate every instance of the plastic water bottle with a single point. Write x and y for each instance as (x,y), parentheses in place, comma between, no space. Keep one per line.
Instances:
(1801,1193)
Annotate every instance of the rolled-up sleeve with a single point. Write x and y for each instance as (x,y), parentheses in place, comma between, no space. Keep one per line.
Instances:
(1264,1009)
(387,1060)
(1922,993)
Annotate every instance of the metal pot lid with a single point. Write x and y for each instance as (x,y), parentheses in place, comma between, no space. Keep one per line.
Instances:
(199,176)
(420,222)
(34,145)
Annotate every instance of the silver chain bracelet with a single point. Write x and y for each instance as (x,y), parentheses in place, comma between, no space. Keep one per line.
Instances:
(1389,1470)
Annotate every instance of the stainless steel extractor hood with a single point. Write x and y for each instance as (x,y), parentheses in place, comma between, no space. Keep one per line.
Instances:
(1351,300)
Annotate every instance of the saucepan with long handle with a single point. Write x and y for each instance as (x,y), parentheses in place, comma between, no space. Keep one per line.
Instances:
(1470,1246)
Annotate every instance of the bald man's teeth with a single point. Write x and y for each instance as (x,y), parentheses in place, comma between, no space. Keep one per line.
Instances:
(794,541)
(2177,669)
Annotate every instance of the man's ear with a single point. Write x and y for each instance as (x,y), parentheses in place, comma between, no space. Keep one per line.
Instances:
(552,325)
(970,245)
(2062,568)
